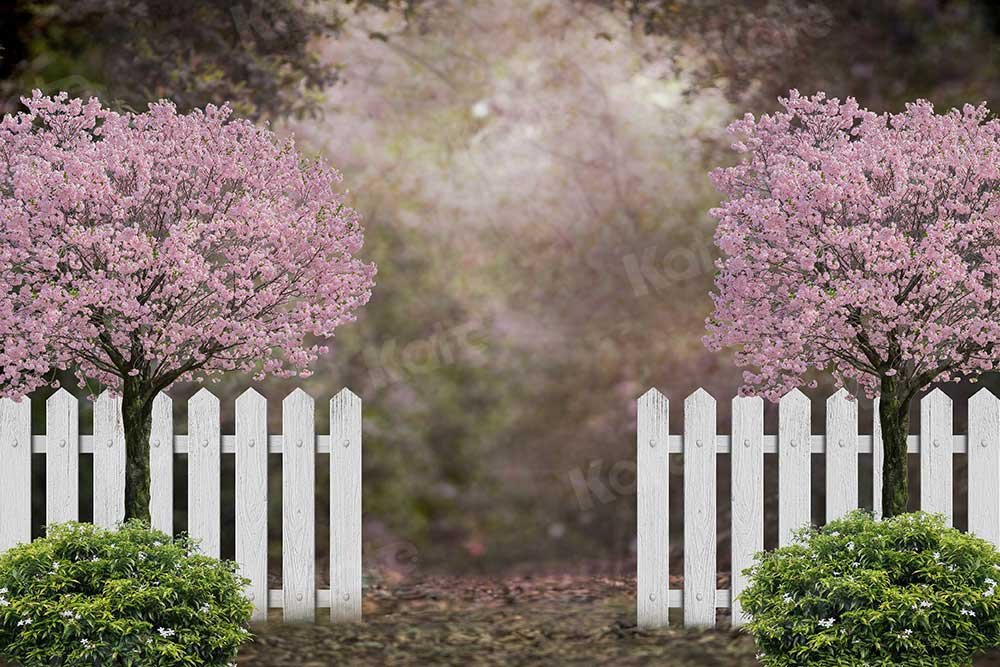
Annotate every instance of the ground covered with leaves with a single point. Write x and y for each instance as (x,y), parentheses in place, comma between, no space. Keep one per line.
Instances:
(540,620)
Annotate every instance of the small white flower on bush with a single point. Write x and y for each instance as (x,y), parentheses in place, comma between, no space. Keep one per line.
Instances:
(54,580)
(938,616)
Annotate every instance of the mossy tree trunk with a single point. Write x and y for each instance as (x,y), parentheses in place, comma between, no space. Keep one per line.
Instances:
(137,419)
(894,417)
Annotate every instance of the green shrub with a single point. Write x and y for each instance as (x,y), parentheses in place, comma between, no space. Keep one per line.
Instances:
(134,597)
(907,591)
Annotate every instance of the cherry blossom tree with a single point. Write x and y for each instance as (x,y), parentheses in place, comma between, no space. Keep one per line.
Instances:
(140,250)
(866,245)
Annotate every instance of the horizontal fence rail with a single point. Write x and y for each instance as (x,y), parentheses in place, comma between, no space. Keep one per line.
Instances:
(795,445)
(204,446)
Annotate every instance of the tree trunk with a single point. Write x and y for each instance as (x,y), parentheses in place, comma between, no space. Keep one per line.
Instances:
(894,416)
(137,418)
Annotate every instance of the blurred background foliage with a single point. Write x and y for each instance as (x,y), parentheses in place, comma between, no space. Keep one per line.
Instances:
(532,174)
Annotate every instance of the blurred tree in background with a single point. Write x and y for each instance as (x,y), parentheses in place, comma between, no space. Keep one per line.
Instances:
(256,54)
(532,177)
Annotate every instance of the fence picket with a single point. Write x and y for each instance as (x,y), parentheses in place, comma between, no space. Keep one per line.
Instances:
(251,497)
(653,509)
(878,459)
(345,506)
(747,490)
(298,534)
(109,461)
(62,458)
(794,460)
(204,472)
(936,454)
(161,465)
(841,455)
(699,509)
(15,472)
(984,466)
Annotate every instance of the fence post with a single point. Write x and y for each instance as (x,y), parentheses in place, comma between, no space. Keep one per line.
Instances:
(345,507)
(298,510)
(204,472)
(161,465)
(251,497)
(15,472)
(936,454)
(109,461)
(62,458)
(747,468)
(841,455)
(794,461)
(984,466)
(699,510)
(653,510)
(878,460)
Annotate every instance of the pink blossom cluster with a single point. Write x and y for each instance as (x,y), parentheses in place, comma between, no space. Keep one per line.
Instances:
(866,245)
(166,246)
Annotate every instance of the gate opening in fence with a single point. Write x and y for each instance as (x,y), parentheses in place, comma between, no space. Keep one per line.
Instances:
(204,446)
(795,445)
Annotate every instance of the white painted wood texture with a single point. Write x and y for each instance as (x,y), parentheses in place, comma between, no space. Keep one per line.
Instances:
(161,465)
(699,510)
(62,446)
(15,472)
(747,492)
(109,461)
(251,497)
(878,460)
(62,460)
(841,455)
(936,456)
(794,460)
(984,466)
(345,506)
(653,510)
(204,472)
(298,562)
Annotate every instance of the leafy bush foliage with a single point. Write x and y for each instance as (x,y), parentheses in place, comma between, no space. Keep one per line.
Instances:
(903,591)
(88,596)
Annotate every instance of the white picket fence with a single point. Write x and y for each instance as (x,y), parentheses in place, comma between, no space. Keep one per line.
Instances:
(204,446)
(795,445)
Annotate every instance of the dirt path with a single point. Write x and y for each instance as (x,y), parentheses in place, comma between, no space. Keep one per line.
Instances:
(546,620)
(550,620)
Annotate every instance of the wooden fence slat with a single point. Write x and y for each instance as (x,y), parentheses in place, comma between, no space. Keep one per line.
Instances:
(878,460)
(298,534)
(699,510)
(251,497)
(984,466)
(345,506)
(62,458)
(841,455)
(15,472)
(204,472)
(936,454)
(653,510)
(161,465)
(794,460)
(109,461)
(747,489)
